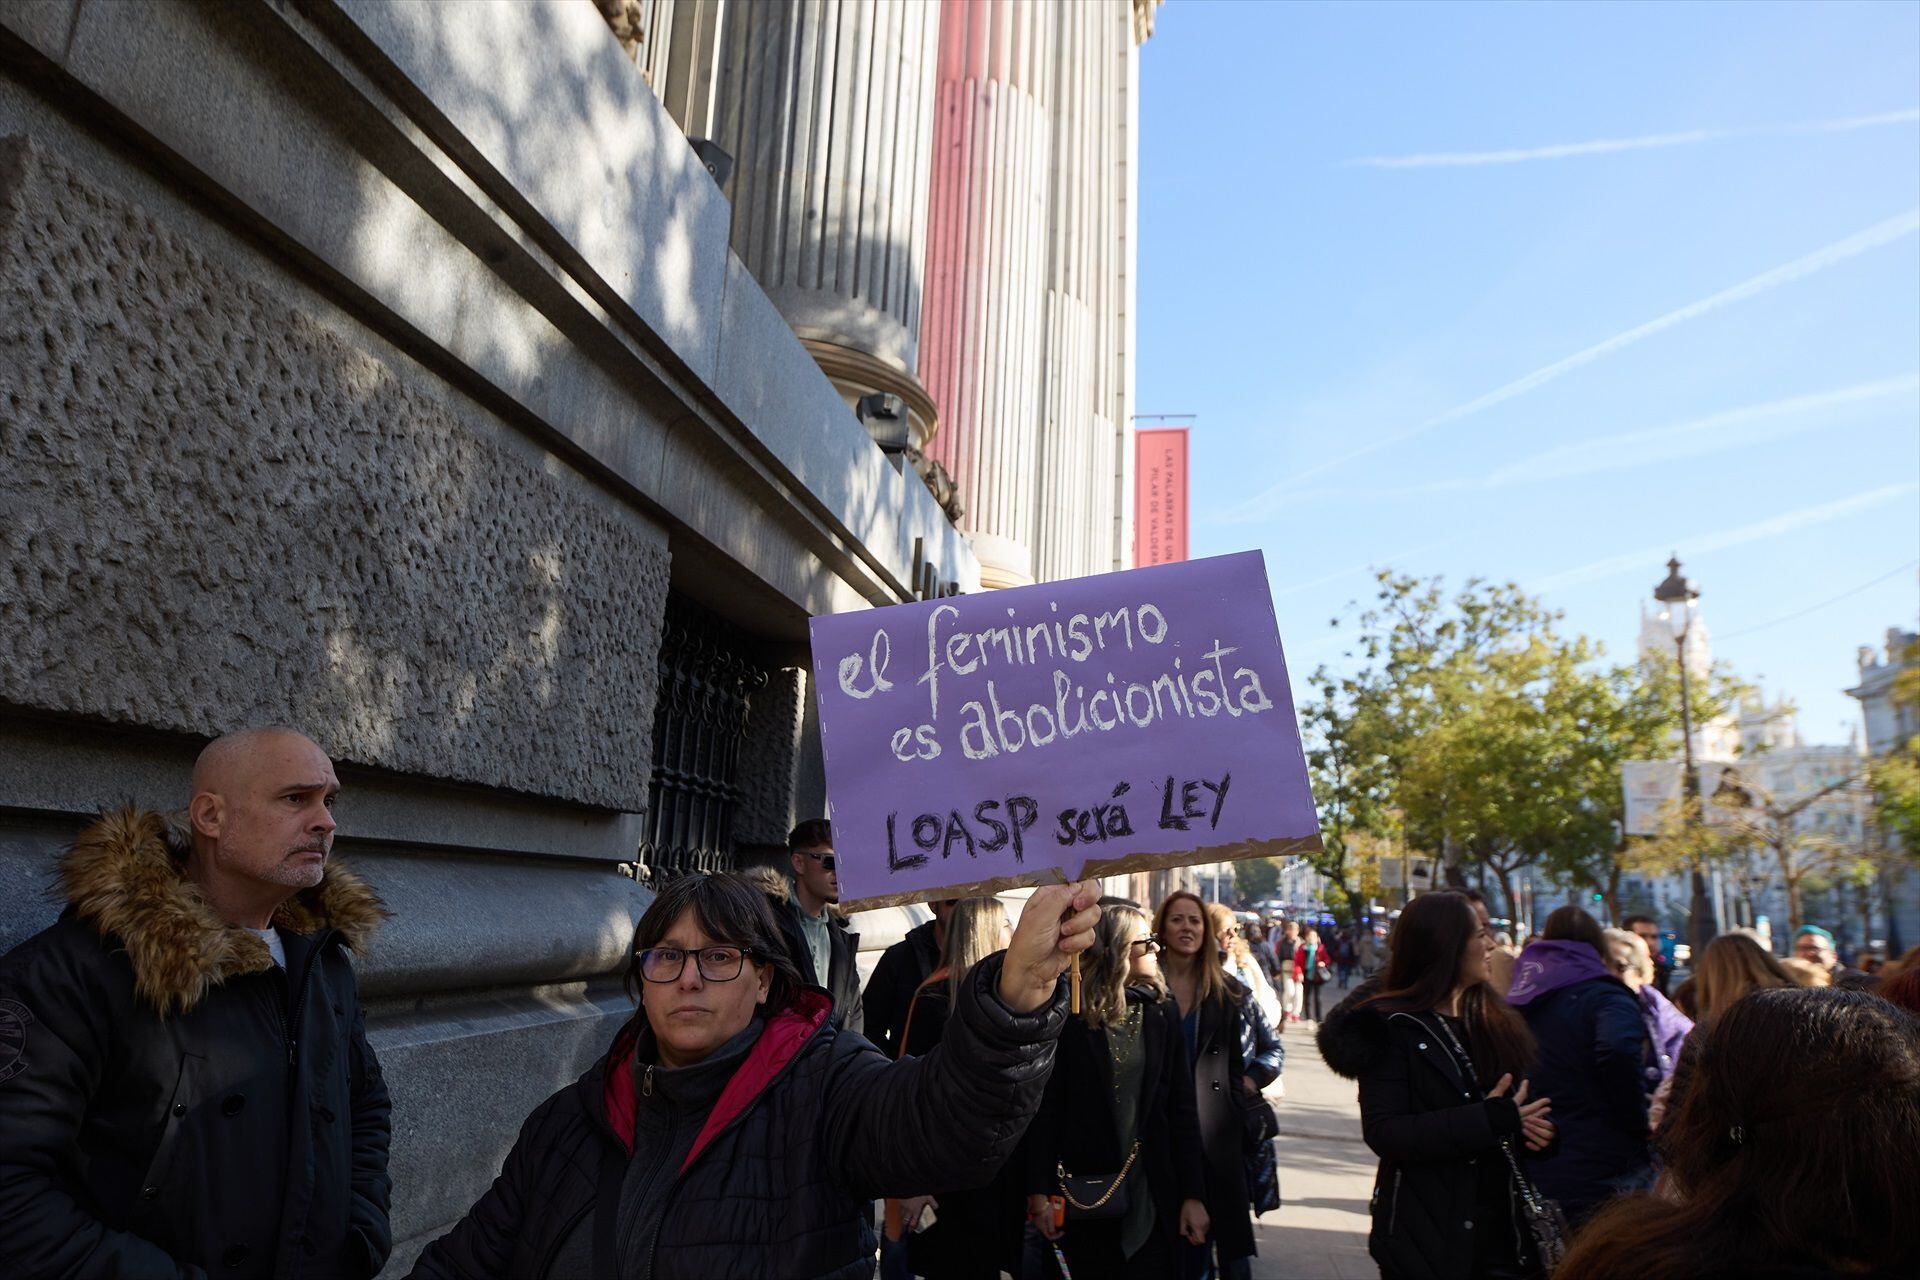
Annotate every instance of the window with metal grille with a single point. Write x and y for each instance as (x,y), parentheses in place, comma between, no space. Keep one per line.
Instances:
(706,686)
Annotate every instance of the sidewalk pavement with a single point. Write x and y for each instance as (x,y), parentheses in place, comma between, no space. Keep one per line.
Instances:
(1326,1175)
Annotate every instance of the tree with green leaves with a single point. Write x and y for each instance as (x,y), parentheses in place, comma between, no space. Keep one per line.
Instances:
(1496,739)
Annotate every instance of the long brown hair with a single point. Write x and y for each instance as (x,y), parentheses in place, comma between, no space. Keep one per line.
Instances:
(1731,966)
(1430,939)
(1212,974)
(1798,1145)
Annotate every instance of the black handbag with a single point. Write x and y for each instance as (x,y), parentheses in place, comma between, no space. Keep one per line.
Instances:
(1259,1126)
(1096,1197)
(1545,1223)
(1263,1179)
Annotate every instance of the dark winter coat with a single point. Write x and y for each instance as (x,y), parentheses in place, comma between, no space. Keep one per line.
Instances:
(1592,1064)
(1233,1040)
(901,969)
(843,946)
(1431,1130)
(1077,1128)
(977,1230)
(171,1102)
(813,1126)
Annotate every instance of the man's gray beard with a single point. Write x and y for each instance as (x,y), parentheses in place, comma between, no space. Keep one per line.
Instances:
(296,876)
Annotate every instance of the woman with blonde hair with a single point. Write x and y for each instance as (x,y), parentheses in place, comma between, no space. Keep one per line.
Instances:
(1234,1054)
(1115,1148)
(1237,959)
(972,1231)
(1732,966)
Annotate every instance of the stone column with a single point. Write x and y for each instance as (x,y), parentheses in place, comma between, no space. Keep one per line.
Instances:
(1085,430)
(982,334)
(826,107)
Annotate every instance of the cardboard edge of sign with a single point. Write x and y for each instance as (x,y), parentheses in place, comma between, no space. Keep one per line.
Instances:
(1095,867)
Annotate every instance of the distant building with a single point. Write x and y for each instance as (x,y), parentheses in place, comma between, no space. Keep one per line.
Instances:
(1888,726)
(1758,745)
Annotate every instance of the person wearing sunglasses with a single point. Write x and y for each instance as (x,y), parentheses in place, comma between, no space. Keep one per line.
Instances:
(817,939)
(734,1130)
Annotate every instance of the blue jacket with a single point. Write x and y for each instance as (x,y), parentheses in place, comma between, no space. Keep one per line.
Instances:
(1593,1048)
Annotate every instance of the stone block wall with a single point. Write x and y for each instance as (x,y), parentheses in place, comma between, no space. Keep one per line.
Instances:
(218,513)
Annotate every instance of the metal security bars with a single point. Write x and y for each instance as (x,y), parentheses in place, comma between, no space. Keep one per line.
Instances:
(706,687)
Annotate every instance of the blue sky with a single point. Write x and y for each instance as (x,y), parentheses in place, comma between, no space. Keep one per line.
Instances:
(1541,293)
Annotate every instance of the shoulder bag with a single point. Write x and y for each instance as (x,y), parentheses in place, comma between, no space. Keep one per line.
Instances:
(1096,1197)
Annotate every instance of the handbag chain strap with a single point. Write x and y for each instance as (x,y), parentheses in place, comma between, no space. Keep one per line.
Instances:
(1520,1180)
(1118,1178)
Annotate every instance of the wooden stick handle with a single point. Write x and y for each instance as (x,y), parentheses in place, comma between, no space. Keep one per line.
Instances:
(1073,985)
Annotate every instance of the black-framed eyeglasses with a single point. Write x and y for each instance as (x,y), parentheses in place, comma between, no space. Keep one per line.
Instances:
(715,964)
(1152,944)
(822,856)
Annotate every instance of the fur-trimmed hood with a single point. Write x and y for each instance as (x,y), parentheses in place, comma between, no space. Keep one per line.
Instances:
(1351,1038)
(126,877)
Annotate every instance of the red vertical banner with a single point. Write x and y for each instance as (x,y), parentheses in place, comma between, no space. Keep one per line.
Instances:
(1159,496)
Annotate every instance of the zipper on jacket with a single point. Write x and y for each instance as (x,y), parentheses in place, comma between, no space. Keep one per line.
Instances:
(646,1081)
(1393,1203)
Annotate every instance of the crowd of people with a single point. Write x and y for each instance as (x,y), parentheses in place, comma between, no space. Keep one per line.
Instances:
(1574,1121)
(187,1088)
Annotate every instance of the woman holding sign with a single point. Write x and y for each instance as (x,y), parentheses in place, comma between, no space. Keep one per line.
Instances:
(1234,1055)
(1117,1143)
(733,1130)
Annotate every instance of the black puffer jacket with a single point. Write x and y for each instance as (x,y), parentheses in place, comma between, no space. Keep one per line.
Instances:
(1431,1130)
(815,1125)
(171,1103)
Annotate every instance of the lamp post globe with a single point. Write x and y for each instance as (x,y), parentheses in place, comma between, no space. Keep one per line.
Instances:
(1677,595)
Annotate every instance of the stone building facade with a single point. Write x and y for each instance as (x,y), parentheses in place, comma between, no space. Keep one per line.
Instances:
(399,371)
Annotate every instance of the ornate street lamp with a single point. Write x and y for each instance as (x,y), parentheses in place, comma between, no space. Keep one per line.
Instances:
(1678,595)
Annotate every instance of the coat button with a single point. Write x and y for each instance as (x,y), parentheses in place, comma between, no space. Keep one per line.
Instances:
(234,1256)
(179,1108)
(231,1107)
(1468,1224)
(1423,1044)
(1216,1086)
(149,1193)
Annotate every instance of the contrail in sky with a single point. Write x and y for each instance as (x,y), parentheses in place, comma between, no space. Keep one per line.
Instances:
(1626,450)
(1874,237)
(1790,522)
(1610,146)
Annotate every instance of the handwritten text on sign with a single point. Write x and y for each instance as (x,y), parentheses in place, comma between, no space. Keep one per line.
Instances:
(1105,724)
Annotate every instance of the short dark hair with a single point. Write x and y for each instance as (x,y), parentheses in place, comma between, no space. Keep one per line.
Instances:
(1472,895)
(814,833)
(1571,924)
(1631,921)
(731,911)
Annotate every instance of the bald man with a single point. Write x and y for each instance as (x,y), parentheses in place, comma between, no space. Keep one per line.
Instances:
(186,1087)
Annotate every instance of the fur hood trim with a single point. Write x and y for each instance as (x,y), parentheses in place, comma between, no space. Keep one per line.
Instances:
(126,877)
(769,880)
(1353,1039)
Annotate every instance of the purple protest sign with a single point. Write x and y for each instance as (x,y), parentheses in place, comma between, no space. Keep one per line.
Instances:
(1102,725)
